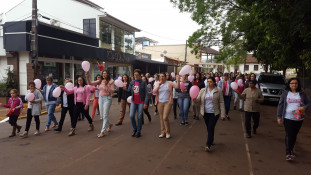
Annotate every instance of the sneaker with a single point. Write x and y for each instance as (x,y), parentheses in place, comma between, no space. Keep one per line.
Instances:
(37,132)
(24,134)
(293,154)
(186,123)
(289,158)
(207,149)
(168,136)
(228,118)
(138,135)
(182,123)
(161,135)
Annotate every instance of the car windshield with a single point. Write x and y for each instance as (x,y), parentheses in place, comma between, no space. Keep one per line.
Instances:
(271,79)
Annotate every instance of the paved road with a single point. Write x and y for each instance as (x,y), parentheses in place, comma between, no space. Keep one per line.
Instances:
(119,153)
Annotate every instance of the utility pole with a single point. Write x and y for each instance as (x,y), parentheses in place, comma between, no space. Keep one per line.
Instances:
(186,53)
(34,36)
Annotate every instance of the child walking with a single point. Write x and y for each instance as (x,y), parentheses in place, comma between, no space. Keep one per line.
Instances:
(34,109)
(15,104)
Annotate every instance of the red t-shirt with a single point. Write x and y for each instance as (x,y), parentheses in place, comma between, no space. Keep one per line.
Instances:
(196,83)
(136,94)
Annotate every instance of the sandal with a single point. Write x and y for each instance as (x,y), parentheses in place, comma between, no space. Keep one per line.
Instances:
(109,128)
(56,124)
(46,129)
(100,135)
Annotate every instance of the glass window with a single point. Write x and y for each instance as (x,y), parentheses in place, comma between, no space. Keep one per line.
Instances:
(129,42)
(255,67)
(105,35)
(246,67)
(89,27)
(68,70)
(118,39)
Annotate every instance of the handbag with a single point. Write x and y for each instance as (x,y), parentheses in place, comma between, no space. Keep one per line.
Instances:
(10,110)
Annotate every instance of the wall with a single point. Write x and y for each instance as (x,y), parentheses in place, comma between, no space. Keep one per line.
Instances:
(66,11)
(23,61)
(2,50)
(175,51)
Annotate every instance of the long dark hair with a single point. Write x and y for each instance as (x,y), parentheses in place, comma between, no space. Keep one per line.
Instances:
(288,83)
(108,78)
(97,76)
(84,82)
(200,76)
(214,81)
(128,79)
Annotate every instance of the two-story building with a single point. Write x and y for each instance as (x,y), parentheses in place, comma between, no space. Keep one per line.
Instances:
(69,32)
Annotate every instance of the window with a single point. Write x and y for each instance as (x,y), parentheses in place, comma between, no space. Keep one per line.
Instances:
(118,39)
(105,35)
(89,27)
(129,42)
(255,67)
(246,67)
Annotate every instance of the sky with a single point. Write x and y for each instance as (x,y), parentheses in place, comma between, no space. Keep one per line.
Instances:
(158,19)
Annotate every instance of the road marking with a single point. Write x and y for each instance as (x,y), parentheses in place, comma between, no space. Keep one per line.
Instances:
(251,172)
(171,149)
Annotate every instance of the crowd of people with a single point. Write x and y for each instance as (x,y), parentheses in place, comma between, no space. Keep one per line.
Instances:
(163,91)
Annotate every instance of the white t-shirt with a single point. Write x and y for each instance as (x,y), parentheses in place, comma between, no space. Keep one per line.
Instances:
(48,88)
(293,103)
(164,93)
(65,101)
(209,105)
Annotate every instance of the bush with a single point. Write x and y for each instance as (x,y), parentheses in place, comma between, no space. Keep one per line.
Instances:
(8,84)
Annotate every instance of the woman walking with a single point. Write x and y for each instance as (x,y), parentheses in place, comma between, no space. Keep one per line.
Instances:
(164,100)
(156,79)
(252,97)
(292,106)
(106,89)
(149,90)
(34,109)
(224,84)
(184,100)
(138,91)
(212,107)
(82,93)
(122,98)
(196,105)
(236,97)
(50,102)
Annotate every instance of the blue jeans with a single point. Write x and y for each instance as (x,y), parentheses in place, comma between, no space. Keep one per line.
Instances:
(104,107)
(139,108)
(51,117)
(183,104)
(227,100)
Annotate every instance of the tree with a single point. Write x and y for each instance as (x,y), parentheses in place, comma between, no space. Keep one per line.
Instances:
(10,83)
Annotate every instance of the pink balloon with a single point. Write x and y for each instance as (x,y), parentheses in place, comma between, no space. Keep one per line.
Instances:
(118,83)
(56,92)
(240,82)
(234,85)
(37,83)
(219,88)
(85,66)
(120,78)
(173,74)
(217,79)
(182,86)
(194,91)
(69,86)
(150,79)
(190,78)
(30,97)
(129,99)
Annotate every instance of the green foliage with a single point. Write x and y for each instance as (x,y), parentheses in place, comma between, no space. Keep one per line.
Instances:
(9,83)
(278,32)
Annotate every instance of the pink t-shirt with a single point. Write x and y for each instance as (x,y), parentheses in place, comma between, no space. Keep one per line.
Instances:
(136,94)
(80,94)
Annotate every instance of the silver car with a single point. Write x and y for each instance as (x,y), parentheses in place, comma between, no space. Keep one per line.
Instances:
(271,86)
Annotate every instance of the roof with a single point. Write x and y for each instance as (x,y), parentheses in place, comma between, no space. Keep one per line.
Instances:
(89,3)
(251,59)
(118,23)
(141,39)
(209,51)
(174,59)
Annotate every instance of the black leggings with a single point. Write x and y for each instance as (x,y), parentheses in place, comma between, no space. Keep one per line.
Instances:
(63,115)
(29,118)
(210,121)
(79,108)
(153,98)
(13,120)
(292,128)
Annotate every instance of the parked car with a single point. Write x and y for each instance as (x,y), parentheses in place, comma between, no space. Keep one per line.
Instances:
(271,86)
